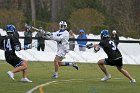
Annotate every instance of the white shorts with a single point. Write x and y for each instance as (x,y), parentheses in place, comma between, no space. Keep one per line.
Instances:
(61,53)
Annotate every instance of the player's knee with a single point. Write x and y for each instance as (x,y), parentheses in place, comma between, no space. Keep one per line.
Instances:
(119,68)
(59,63)
(56,62)
(25,65)
(100,62)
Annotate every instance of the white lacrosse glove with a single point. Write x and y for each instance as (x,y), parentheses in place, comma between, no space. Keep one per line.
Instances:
(49,35)
(96,49)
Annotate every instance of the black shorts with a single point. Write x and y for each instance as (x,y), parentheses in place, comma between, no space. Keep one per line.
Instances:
(114,62)
(15,62)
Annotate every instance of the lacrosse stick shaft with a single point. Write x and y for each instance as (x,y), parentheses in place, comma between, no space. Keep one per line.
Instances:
(35,28)
(28,26)
(76,44)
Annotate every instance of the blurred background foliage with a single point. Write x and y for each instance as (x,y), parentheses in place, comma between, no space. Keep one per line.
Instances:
(91,15)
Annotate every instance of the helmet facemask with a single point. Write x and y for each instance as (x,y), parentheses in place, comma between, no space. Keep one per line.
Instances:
(62,25)
(104,34)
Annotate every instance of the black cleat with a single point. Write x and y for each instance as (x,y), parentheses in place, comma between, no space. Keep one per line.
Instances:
(75,66)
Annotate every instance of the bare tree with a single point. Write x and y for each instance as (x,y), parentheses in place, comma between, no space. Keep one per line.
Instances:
(33,10)
(54,7)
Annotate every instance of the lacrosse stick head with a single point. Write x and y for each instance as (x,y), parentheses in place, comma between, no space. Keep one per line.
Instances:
(27,26)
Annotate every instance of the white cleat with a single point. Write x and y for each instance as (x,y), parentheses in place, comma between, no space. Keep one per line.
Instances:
(26,80)
(106,78)
(11,75)
(133,81)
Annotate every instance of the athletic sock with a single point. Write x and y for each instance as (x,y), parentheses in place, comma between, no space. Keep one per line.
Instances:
(67,64)
(55,73)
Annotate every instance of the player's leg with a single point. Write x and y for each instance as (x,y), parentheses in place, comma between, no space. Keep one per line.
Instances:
(62,54)
(43,47)
(101,64)
(18,66)
(24,73)
(119,66)
(38,47)
(126,73)
(69,64)
(57,61)
(22,66)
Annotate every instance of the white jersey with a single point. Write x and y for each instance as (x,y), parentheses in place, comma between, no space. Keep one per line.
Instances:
(62,39)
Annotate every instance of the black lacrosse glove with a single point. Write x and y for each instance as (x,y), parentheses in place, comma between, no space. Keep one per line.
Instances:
(89,46)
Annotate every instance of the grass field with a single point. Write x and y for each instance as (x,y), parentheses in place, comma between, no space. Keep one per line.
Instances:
(85,80)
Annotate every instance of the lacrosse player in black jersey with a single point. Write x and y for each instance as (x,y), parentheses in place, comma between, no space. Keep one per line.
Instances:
(10,45)
(114,56)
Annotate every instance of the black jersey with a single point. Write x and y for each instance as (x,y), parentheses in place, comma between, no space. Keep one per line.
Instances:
(1,42)
(9,43)
(110,48)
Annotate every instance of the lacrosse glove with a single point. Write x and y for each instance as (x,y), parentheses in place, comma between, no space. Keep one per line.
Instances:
(89,46)
(17,48)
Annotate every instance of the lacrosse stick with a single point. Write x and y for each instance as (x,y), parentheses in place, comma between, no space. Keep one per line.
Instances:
(89,46)
(76,44)
(28,26)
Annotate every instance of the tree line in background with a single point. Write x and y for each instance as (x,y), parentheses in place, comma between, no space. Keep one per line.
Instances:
(91,15)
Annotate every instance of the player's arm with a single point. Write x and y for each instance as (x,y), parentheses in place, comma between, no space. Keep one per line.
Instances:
(1,43)
(64,36)
(95,46)
(17,44)
(56,37)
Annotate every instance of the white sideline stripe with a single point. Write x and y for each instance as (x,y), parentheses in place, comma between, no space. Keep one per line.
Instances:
(113,78)
(33,89)
(36,87)
(117,78)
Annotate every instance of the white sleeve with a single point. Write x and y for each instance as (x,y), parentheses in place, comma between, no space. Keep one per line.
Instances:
(64,36)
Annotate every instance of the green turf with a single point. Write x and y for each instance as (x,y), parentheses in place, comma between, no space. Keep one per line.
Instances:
(85,80)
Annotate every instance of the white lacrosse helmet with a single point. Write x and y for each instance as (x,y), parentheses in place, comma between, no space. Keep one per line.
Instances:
(62,25)
(114,31)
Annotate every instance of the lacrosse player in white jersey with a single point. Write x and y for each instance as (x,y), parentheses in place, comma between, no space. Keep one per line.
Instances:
(61,37)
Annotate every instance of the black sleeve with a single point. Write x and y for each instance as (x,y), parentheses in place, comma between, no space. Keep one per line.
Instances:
(16,34)
(117,40)
(1,42)
(101,44)
(16,41)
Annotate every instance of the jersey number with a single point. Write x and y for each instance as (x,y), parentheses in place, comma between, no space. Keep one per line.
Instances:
(7,45)
(113,45)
